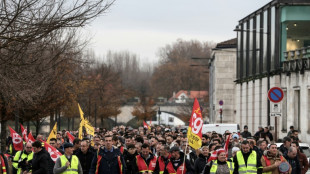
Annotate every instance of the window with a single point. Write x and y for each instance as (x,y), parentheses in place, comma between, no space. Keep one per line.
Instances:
(171,119)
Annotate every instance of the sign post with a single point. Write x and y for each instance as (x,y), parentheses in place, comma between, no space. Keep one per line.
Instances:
(275,95)
(221,110)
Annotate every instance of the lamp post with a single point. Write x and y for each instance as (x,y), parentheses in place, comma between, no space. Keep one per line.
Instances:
(159,112)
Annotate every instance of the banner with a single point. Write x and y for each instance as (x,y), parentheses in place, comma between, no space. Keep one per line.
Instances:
(24,133)
(30,138)
(81,123)
(195,126)
(54,153)
(145,125)
(70,136)
(17,140)
(53,133)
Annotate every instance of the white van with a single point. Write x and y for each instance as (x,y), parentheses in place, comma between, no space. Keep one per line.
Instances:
(220,128)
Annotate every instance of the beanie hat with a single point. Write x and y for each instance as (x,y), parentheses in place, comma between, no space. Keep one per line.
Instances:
(219,151)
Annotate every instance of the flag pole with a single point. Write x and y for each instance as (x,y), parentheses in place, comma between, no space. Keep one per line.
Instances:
(184,155)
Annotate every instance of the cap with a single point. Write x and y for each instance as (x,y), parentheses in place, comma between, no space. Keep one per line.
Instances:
(235,149)
(66,145)
(235,136)
(174,148)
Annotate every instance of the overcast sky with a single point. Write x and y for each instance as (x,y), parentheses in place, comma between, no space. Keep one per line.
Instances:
(144,26)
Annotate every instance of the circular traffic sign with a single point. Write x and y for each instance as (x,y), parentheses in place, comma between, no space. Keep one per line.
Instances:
(275,94)
(221,102)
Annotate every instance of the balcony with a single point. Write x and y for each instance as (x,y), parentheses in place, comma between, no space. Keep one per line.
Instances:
(296,60)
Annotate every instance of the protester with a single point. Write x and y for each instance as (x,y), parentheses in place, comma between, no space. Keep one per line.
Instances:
(220,165)
(23,159)
(303,161)
(293,160)
(68,163)
(285,146)
(40,159)
(246,133)
(271,160)
(85,156)
(163,160)
(201,160)
(247,160)
(130,158)
(177,163)
(108,159)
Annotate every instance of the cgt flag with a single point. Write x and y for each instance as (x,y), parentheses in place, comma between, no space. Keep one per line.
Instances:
(24,133)
(16,139)
(53,133)
(195,126)
(54,153)
(70,136)
(30,138)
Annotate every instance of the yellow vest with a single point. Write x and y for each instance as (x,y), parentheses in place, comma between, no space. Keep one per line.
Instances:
(73,168)
(18,158)
(251,164)
(214,167)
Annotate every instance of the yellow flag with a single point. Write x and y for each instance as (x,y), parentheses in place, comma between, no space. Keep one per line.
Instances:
(194,133)
(89,128)
(52,134)
(81,130)
(81,112)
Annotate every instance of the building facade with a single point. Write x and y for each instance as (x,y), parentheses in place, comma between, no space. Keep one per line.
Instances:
(273,51)
(222,68)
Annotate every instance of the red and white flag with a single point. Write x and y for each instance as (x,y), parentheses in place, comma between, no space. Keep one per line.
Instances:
(213,156)
(70,136)
(227,143)
(17,140)
(195,127)
(145,125)
(24,133)
(30,138)
(54,153)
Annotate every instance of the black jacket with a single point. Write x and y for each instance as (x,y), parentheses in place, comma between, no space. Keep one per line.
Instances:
(245,157)
(40,162)
(85,160)
(246,134)
(283,149)
(295,165)
(108,163)
(200,163)
(130,160)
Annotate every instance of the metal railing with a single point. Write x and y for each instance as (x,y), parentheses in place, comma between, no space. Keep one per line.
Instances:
(296,60)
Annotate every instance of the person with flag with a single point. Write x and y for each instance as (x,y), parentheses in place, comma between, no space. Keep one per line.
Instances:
(68,163)
(23,159)
(162,160)
(220,165)
(177,163)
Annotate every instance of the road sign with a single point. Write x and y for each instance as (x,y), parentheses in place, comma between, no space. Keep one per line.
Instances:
(221,102)
(275,94)
(275,114)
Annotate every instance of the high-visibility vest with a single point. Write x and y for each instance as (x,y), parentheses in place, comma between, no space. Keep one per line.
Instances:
(214,167)
(20,156)
(268,163)
(181,169)
(161,164)
(251,163)
(3,167)
(74,165)
(142,166)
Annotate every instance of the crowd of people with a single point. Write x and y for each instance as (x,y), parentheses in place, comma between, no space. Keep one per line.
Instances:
(159,150)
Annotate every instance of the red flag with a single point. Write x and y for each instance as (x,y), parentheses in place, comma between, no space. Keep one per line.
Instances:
(213,156)
(195,127)
(54,153)
(17,140)
(24,133)
(30,138)
(227,144)
(145,125)
(70,136)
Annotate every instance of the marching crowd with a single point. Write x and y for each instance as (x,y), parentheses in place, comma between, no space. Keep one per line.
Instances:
(158,150)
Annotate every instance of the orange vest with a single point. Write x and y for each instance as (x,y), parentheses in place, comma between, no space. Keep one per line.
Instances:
(180,169)
(268,161)
(142,166)
(162,164)
(3,167)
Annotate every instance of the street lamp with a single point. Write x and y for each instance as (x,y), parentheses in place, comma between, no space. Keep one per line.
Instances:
(159,112)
